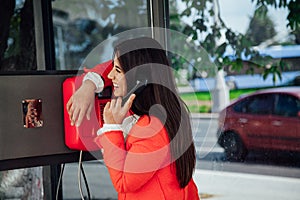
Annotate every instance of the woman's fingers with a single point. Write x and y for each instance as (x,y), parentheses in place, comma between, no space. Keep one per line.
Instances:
(80,117)
(107,107)
(69,105)
(106,113)
(119,101)
(129,102)
(75,114)
(70,109)
(114,112)
(112,104)
(88,112)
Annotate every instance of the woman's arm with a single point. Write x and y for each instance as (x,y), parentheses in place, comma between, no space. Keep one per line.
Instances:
(82,101)
(146,151)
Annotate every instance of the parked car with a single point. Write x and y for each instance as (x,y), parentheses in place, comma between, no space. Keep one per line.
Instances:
(268,119)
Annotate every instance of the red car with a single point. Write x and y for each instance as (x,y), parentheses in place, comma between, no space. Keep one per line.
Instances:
(267,119)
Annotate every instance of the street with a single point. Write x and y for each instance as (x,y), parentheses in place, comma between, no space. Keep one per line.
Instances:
(260,176)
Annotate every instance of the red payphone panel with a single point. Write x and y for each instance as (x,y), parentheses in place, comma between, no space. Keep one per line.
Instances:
(82,137)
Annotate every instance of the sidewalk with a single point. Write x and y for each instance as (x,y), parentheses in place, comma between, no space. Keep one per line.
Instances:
(215,185)
(221,185)
(204,115)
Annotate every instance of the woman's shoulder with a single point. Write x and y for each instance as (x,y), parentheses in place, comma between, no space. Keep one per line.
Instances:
(149,120)
(148,127)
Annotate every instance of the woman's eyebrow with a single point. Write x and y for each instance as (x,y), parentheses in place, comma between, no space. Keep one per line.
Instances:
(117,67)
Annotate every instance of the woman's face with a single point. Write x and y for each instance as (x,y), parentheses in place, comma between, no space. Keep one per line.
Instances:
(117,76)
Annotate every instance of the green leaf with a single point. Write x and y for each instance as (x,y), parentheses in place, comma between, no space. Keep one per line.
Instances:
(199,24)
(221,49)
(278,73)
(265,74)
(187,12)
(188,30)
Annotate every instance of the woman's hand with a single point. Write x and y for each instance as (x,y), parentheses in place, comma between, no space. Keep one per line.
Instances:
(114,112)
(81,103)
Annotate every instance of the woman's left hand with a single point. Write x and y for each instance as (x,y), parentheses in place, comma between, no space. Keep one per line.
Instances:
(114,112)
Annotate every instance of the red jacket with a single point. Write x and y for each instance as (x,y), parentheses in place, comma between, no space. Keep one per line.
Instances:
(139,166)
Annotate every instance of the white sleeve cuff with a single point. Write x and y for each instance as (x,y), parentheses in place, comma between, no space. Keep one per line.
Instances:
(109,127)
(96,79)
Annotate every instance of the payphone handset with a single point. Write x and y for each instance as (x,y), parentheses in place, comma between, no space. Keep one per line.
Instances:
(140,85)
(82,137)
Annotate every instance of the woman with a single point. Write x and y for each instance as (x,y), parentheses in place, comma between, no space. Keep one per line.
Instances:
(147,142)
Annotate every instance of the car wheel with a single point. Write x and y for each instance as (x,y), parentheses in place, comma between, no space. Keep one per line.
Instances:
(234,147)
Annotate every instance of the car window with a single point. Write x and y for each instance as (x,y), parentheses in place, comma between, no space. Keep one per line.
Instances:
(287,105)
(259,104)
(241,106)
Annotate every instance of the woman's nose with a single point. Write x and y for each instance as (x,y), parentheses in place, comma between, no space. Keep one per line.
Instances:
(110,74)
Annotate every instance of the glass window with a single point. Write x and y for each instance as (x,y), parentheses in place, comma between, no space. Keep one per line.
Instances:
(26,183)
(79,26)
(240,107)
(261,104)
(17,36)
(287,106)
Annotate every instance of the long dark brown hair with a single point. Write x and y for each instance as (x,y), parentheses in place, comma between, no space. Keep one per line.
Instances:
(150,62)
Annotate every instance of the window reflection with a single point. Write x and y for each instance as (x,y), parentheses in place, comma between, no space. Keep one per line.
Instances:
(17,46)
(79,26)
